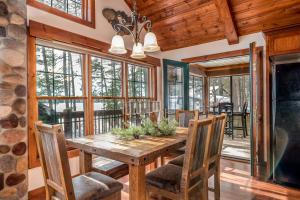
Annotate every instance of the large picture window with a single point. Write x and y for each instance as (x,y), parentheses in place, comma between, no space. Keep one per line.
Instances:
(60,93)
(85,93)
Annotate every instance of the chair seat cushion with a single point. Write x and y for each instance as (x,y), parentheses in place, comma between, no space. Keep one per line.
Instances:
(177,161)
(92,186)
(112,168)
(167,177)
(180,159)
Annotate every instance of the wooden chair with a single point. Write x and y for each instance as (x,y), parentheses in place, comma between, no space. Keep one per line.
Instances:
(56,170)
(227,108)
(217,138)
(243,117)
(184,116)
(181,183)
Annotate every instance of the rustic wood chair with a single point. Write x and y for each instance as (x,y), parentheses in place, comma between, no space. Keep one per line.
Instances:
(56,170)
(182,183)
(217,138)
(184,116)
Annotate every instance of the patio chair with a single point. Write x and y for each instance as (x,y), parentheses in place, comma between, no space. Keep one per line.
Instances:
(228,109)
(181,183)
(56,170)
(243,117)
(217,138)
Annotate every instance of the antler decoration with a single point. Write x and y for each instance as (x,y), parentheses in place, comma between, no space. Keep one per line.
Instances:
(126,25)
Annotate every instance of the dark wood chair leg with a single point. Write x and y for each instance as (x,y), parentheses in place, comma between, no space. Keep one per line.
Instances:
(245,121)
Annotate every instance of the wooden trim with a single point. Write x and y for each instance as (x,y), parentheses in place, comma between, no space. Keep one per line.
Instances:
(88,8)
(228,70)
(47,32)
(228,54)
(37,193)
(32,104)
(227,18)
(283,41)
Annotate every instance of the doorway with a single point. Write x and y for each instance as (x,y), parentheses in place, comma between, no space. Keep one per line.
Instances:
(228,78)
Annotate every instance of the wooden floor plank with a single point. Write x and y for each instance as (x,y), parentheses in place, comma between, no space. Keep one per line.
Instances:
(236,184)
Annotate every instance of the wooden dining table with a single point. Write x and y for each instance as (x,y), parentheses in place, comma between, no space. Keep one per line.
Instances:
(136,153)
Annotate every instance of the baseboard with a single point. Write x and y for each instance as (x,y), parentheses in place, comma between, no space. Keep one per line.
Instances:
(37,194)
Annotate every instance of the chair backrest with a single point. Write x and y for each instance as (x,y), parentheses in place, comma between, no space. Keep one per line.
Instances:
(184,116)
(217,137)
(153,116)
(195,166)
(54,160)
(226,108)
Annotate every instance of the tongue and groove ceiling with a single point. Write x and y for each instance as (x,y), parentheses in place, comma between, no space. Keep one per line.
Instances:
(183,23)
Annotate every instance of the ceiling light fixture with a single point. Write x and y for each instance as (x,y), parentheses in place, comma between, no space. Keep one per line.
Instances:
(134,27)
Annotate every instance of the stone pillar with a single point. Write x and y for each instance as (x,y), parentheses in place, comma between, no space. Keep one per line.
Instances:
(13,100)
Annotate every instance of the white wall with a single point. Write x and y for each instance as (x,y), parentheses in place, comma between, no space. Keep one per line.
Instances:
(214,47)
(103,32)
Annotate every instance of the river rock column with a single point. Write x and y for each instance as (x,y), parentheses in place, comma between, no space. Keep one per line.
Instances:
(13,100)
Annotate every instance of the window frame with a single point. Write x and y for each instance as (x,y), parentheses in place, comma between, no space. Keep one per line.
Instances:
(88,12)
(148,83)
(87,89)
(202,107)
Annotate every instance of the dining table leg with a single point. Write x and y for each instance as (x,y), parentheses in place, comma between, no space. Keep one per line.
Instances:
(85,160)
(137,182)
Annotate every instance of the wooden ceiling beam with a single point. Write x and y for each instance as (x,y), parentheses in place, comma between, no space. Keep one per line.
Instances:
(227,70)
(226,17)
(227,67)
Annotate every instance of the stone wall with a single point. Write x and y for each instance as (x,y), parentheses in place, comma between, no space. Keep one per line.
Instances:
(13,113)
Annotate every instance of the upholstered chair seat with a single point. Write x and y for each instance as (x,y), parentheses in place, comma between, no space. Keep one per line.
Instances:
(178,161)
(167,177)
(94,185)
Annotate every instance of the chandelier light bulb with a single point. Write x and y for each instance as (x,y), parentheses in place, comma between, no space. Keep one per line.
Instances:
(117,45)
(138,51)
(150,42)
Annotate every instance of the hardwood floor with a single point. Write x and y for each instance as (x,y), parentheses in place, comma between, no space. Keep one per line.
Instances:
(236,184)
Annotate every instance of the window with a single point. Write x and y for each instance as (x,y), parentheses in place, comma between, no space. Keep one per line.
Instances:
(81,11)
(59,89)
(176,90)
(107,93)
(138,81)
(219,90)
(72,7)
(240,92)
(234,89)
(196,93)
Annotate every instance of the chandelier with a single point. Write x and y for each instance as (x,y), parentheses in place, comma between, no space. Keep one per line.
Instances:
(133,26)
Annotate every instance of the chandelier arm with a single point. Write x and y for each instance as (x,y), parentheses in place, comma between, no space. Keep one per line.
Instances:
(117,28)
(146,23)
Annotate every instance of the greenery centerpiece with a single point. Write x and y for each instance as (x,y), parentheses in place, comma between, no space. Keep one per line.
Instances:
(163,128)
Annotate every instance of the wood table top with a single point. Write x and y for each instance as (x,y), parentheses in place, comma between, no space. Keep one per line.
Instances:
(139,151)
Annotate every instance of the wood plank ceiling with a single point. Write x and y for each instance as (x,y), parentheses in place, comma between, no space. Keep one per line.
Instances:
(183,23)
